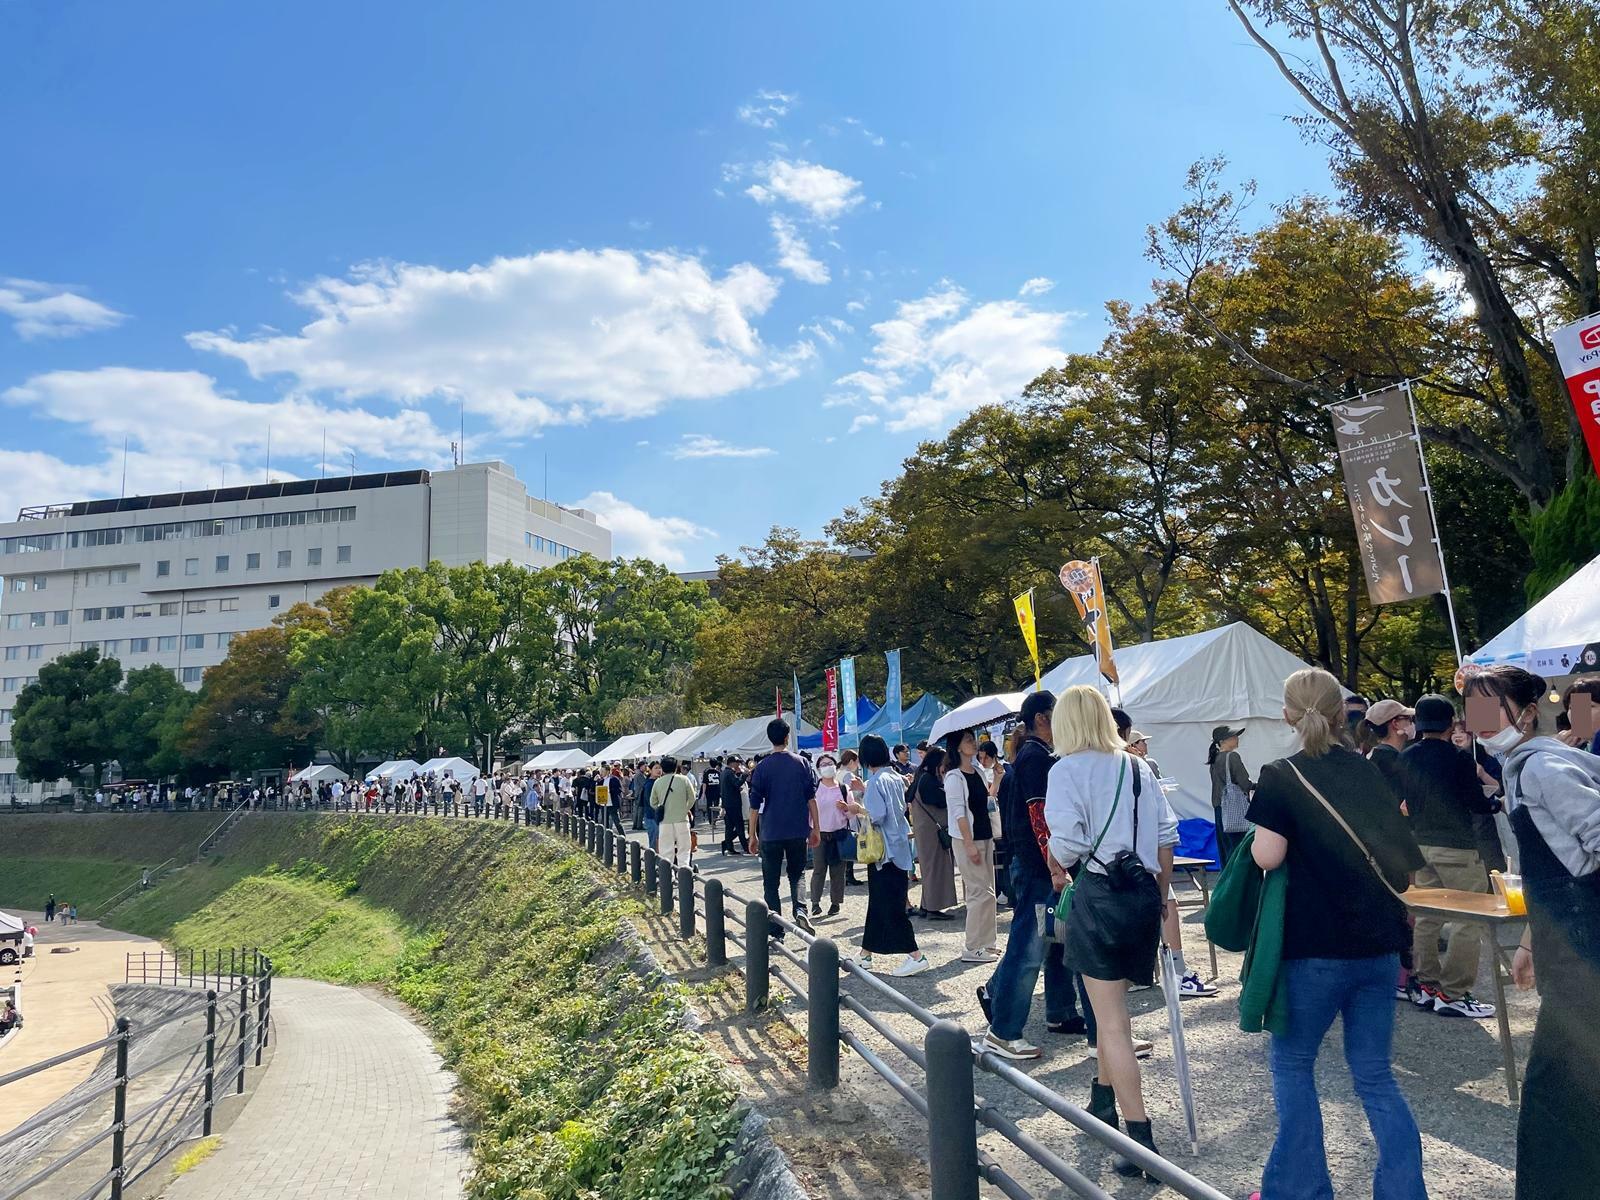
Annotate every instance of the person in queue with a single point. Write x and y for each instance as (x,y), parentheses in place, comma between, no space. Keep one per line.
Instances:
(972,840)
(732,800)
(1108,819)
(1553,795)
(993,770)
(672,798)
(1588,686)
(849,771)
(783,823)
(652,815)
(1387,731)
(827,864)
(930,826)
(1327,814)
(882,799)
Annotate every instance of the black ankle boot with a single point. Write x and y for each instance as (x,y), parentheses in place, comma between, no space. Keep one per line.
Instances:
(1103,1103)
(1139,1131)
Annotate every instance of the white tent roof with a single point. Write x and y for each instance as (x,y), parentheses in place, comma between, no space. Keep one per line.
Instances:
(633,745)
(550,760)
(748,736)
(977,712)
(457,768)
(1560,635)
(1178,689)
(687,740)
(316,774)
(10,924)
(395,768)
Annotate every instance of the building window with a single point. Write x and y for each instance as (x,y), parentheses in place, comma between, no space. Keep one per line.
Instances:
(169,608)
(191,566)
(5,716)
(222,563)
(116,612)
(16,620)
(138,645)
(314,556)
(223,639)
(252,562)
(194,641)
(36,620)
(88,645)
(61,616)
(92,614)
(285,558)
(13,653)
(10,683)
(141,610)
(343,554)
(120,575)
(165,644)
(19,584)
(112,648)
(228,604)
(191,675)
(163,567)
(273,600)
(39,582)
(36,650)
(194,606)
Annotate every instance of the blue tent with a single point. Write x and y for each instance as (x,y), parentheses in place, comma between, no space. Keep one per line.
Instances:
(916,723)
(865,711)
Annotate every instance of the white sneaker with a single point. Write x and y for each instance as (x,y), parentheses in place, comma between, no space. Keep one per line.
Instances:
(979,956)
(1138,987)
(1464,1007)
(1191,985)
(1017,1050)
(1142,1048)
(864,961)
(913,966)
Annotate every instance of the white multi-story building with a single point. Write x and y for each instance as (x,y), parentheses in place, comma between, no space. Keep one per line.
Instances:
(170,579)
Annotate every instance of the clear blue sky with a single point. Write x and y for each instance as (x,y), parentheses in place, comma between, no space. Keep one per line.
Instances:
(723,263)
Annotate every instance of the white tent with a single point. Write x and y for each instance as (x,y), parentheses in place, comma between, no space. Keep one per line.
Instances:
(456,768)
(10,924)
(327,771)
(686,741)
(632,745)
(1177,690)
(748,736)
(977,712)
(558,760)
(1560,635)
(396,769)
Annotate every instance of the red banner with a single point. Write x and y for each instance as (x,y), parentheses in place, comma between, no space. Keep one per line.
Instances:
(830,723)
(1578,349)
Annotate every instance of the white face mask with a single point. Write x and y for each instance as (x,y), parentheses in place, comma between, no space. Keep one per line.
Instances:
(1501,743)
(828,772)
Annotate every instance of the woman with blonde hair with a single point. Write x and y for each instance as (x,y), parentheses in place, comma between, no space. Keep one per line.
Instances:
(1328,814)
(1111,827)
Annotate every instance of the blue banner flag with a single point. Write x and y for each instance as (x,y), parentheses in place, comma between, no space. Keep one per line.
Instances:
(847,688)
(797,725)
(891,699)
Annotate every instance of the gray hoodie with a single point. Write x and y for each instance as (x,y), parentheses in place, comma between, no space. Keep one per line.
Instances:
(1560,785)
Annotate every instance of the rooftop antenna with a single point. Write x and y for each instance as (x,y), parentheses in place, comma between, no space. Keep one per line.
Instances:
(352,454)
(124,491)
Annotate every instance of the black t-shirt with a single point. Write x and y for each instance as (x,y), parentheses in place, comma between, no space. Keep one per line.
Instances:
(1336,906)
(1443,793)
(1387,759)
(977,806)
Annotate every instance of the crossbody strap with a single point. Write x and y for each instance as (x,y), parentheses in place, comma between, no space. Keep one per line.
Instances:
(1345,825)
(1116,798)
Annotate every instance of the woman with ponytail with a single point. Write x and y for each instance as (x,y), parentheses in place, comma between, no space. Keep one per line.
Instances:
(1329,817)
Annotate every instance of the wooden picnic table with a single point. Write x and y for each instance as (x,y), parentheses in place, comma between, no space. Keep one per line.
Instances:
(1198,871)
(1485,908)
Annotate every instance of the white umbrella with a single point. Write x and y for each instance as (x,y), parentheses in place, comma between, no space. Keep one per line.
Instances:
(1180,1050)
(978,712)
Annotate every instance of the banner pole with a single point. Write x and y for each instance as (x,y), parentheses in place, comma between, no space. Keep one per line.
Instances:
(1105,605)
(1438,543)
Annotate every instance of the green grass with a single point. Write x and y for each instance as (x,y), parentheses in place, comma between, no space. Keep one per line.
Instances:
(195,1155)
(86,858)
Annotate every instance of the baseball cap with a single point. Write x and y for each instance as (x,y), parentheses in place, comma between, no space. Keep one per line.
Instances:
(1435,714)
(1135,737)
(1034,704)
(1385,711)
(1223,732)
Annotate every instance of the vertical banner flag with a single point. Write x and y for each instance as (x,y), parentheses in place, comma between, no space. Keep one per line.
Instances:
(891,694)
(830,720)
(796,745)
(847,715)
(1381,455)
(777,700)
(1030,632)
(1578,351)
(1082,580)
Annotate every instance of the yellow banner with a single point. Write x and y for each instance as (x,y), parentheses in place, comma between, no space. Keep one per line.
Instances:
(1082,580)
(1030,631)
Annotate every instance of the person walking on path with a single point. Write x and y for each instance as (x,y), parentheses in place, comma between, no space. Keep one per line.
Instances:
(972,835)
(783,823)
(672,798)
(827,866)
(1553,793)
(882,799)
(930,826)
(1326,814)
(732,800)
(1230,789)
(1442,797)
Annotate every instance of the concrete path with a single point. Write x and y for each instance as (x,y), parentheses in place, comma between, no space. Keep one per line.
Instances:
(356,1103)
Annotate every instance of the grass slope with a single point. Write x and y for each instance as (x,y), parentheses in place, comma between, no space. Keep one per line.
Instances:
(86,858)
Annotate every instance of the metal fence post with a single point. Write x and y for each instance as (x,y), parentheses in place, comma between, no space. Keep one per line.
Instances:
(606,847)
(952,1130)
(211,1058)
(716,925)
(635,861)
(622,854)
(664,879)
(822,1014)
(651,859)
(119,1109)
(244,1031)
(756,956)
(261,1007)
(685,902)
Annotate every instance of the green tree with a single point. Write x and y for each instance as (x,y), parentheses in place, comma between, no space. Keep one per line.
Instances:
(245,718)
(61,723)
(146,722)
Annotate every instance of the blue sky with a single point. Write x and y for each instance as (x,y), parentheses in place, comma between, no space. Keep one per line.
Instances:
(722,264)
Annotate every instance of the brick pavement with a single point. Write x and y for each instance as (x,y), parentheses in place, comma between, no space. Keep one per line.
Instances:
(356,1103)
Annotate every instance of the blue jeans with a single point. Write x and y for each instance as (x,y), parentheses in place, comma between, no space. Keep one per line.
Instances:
(1011,987)
(1361,991)
(652,830)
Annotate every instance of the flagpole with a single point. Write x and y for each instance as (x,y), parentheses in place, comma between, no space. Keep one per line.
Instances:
(1438,545)
(1105,615)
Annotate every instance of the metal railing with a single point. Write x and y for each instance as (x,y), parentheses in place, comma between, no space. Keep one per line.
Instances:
(147,878)
(141,1139)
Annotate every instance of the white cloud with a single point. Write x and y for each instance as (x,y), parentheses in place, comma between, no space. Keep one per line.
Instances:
(827,330)
(794,252)
(939,357)
(557,336)
(822,192)
(700,445)
(1037,286)
(856,306)
(765,108)
(51,310)
(637,533)
(863,421)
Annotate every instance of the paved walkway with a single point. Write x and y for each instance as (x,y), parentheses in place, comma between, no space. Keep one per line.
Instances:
(355,1103)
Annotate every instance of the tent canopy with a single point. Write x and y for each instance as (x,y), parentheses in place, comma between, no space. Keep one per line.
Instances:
(10,924)
(685,742)
(456,768)
(749,736)
(317,774)
(865,711)
(558,760)
(916,722)
(1560,635)
(632,745)
(395,768)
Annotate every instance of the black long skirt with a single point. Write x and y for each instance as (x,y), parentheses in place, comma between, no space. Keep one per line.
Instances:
(888,929)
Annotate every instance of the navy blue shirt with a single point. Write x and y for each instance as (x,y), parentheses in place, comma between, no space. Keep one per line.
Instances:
(781,788)
(1027,782)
